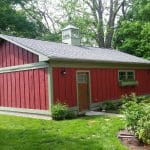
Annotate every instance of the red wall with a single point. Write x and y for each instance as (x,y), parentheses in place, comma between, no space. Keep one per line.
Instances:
(24,89)
(11,55)
(64,87)
(104,85)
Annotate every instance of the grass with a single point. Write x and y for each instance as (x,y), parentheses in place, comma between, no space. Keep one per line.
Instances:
(85,133)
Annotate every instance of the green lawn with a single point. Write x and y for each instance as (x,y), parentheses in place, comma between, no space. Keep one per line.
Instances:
(86,133)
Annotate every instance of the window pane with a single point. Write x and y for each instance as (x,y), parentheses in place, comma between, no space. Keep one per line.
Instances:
(122,75)
(82,78)
(130,75)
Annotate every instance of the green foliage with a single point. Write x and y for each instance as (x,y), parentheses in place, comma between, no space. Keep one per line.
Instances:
(133,38)
(137,114)
(134,98)
(133,112)
(61,112)
(78,16)
(110,105)
(14,21)
(143,126)
(71,115)
(133,32)
(139,10)
(50,37)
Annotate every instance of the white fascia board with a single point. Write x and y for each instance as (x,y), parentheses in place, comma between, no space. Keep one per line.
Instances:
(24,67)
(41,56)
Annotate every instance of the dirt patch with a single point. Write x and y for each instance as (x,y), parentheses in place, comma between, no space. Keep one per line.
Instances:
(128,139)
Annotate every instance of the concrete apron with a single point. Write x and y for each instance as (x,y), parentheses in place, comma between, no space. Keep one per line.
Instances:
(96,113)
(27,115)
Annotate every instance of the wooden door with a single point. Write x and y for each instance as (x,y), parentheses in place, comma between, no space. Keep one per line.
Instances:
(83,90)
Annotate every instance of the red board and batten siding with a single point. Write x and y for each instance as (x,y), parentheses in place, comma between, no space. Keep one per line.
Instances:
(104,85)
(22,89)
(12,55)
(25,89)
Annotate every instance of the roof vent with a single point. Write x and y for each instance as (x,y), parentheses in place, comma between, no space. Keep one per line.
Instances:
(70,35)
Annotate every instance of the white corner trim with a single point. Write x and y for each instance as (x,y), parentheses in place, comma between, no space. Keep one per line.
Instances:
(50,87)
(24,110)
(41,56)
(24,67)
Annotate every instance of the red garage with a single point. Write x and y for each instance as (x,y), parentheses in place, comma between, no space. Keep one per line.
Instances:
(35,74)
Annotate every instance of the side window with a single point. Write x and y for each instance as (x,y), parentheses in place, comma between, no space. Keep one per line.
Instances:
(122,75)
(130,75)
(125,75)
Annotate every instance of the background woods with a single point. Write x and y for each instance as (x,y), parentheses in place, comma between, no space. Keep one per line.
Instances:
(120,24)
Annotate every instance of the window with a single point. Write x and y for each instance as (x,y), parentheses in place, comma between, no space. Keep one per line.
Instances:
(126,75)
(82,78)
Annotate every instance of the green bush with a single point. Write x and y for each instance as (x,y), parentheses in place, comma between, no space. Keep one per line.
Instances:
(110,105)
(71,115)
(61,112)
(143,126)
(137,114)
(137,99)
(133,112)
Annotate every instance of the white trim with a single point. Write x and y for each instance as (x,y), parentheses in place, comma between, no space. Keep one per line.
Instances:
(126,71)
(24,67)
(50,87)
(89,82)
(24,110)
(92,64)
(41,56)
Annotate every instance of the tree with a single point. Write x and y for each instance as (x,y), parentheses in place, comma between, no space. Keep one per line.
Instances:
(76,14)
(104,16)
(39,11)
(133,33)
(95,18)
(15,22)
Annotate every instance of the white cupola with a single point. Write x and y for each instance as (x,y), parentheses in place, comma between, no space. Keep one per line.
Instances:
(71,35)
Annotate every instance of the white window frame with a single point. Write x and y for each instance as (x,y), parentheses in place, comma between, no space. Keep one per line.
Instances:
(126,71)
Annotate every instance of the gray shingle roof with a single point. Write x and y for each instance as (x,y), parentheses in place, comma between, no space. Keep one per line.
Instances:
(64,51)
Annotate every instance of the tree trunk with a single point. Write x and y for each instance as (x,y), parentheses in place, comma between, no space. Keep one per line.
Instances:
(100,29)
(114,8)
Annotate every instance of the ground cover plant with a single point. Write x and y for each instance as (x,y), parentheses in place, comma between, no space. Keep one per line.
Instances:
(100,132)
(111,106)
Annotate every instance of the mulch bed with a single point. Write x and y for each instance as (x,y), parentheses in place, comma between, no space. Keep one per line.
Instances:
(128,139)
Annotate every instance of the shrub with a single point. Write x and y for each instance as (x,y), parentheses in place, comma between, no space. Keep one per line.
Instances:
(117,104)
(59,111)
(137,114)
(110,105)
(106,105)
(133,112)
(137,99)
(71,115)
(143,126)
